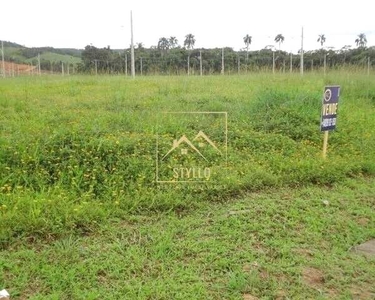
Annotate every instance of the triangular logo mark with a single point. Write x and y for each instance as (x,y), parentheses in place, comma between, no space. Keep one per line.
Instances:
(201,134)
(176,144)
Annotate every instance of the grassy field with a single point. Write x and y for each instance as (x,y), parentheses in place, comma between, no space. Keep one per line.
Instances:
(82,216)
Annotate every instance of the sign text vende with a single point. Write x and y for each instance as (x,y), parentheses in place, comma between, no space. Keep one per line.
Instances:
(330,108)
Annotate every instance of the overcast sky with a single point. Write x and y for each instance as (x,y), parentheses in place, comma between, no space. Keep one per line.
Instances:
(77,23)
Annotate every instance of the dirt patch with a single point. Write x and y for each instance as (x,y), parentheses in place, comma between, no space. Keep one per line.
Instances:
(313,277)
(367,249)
(363,221)
(281,294)
(17,69)
(333,293)
(359,293)
(304,252)
(264,275)
(249,297)
(248,267)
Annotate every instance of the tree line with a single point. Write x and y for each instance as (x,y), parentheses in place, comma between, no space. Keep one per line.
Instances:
(168,57)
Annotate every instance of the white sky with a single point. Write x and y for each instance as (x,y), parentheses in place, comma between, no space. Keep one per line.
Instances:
(77,23)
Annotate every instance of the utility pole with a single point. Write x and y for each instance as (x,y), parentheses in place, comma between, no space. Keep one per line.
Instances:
(238,63)
(368,66)
(96,66)
(273,62)
(200,63)
(141,67)
(39,64)
(222,61)
(312,65)
(291,62)
(132,46)
(62,69)
(2,58)
(188,64)
(302,52)
(325,63)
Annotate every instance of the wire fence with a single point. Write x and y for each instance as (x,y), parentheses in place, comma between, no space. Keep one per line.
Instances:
(198,64)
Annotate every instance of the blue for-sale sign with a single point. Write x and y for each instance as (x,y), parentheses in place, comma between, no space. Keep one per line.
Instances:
(330,108)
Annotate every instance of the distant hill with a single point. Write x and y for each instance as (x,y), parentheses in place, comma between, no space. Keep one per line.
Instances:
(10,44)
(14,52)
(56,57)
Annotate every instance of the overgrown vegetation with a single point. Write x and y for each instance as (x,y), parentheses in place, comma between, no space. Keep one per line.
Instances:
(78,153)
(83,141)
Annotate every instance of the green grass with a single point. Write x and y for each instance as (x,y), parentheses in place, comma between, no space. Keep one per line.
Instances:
(77,186)
(261,244)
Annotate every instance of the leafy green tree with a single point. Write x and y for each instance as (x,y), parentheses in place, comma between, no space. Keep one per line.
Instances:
(361,40)
(321,39)
(247,40)
(140,46)
(279,39)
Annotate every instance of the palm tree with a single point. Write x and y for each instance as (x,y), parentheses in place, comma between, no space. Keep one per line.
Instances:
(173,42)
(361,41)
(279,39)
(247,40)
(321,39)
(189,41)
(189,44)
(163,45)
